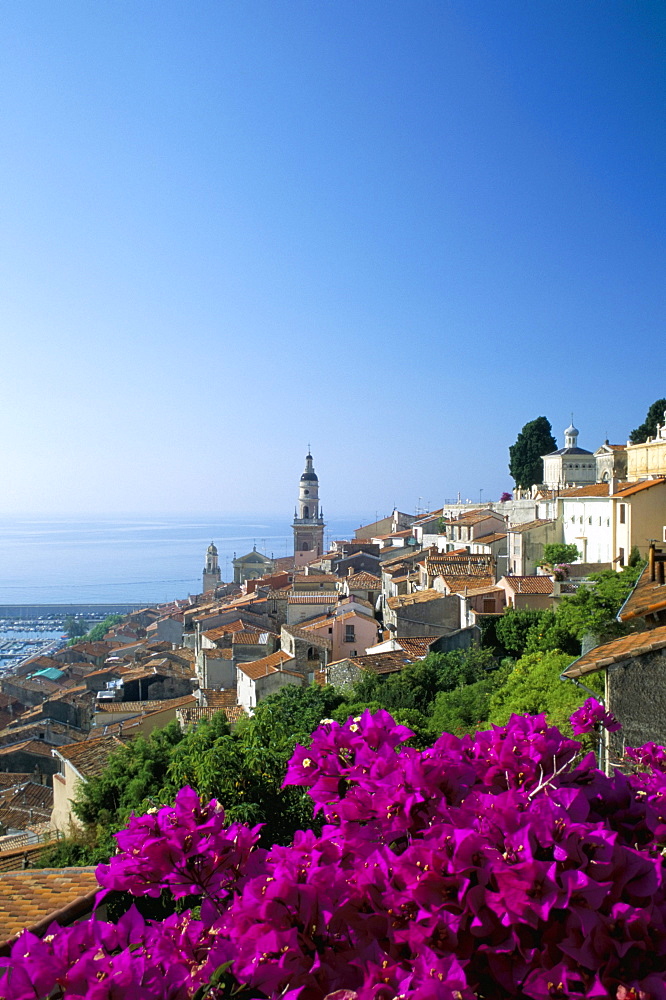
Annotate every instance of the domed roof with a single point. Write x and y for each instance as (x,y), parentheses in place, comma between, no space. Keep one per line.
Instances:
(309,477)
(212,548)
(572,430)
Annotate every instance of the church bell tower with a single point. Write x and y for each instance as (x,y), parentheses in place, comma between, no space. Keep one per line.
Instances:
(308,521)
(211,573)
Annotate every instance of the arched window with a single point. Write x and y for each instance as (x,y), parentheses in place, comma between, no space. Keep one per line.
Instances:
(306,512)
(304,547)
(313,653)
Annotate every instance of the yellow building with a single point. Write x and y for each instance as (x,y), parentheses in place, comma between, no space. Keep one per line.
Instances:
(648,458)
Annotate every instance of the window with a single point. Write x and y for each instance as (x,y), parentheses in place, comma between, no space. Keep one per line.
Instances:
(488,605)
(589,520)
(330,631)
(623,515)
(349,633)
(621,557)
(304,547)
(313,653)
(306,512)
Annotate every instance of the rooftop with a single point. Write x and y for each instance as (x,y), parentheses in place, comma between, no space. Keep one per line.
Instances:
(89,758)
(648,597)
(636,644)
(530,584)
(35,897)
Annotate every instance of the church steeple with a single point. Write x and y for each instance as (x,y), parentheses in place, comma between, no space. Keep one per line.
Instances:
(211,573)
(308,523)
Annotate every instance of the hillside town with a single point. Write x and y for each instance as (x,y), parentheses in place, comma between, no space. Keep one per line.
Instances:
(404,587)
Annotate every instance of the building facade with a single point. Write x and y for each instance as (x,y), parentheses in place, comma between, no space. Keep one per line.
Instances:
(569,466)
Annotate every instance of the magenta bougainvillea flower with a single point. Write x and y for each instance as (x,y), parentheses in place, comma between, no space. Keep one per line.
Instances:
(591,714)
(500,866)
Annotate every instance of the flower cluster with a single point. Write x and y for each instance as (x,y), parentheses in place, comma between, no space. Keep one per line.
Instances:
(591,714)
(500,866)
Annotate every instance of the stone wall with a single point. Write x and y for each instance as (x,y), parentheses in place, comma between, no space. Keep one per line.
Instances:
(637,697)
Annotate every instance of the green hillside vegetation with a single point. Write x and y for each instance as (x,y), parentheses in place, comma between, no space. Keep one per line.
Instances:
(516,670)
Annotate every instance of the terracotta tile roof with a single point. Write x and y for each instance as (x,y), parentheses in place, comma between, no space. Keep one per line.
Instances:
(474,517)
(267,665)
(29,746)
(312,624)
(247,638)
(143,707)
(316,577)
(219,698)
(416,646)
(218,654)
(591,490)
(625,489)
(310,635)
(329,597)
(460,584)
(15,852)
(362,581)
(631,488)
(405,556)
(33,898)
(10,778)
(395,534)
(45,730)
(480,591)
(26,806)
(636,644)
(381,663)
(495,536)
(648,597)
(279,595)
(517,529)
(222,630)
(91,757)
(419,597)
(530,584)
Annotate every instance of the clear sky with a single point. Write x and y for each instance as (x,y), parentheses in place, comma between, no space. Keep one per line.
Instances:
(395,230)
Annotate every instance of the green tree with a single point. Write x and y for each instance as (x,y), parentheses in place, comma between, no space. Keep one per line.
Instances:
(74,627)
(534,686)
(98,631)
(559,552)
(466,709)
(655,415)
(416,686)
(135,773)
(535,440)
(245,773)
(593,610)
(514,627)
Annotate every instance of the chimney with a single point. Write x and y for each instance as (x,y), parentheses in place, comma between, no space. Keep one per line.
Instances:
(612,486)
(651,561)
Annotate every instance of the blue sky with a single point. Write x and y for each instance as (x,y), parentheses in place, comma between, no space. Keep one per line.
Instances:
(396,230)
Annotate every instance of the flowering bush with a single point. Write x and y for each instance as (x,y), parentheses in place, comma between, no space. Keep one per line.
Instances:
(592,714)
(497,866)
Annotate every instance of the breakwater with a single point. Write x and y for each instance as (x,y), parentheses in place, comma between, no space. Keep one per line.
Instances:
(28,611)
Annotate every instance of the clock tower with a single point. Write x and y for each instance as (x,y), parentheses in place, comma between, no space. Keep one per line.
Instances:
(308,521)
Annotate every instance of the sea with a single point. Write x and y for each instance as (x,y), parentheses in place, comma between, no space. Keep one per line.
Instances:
(131,559)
